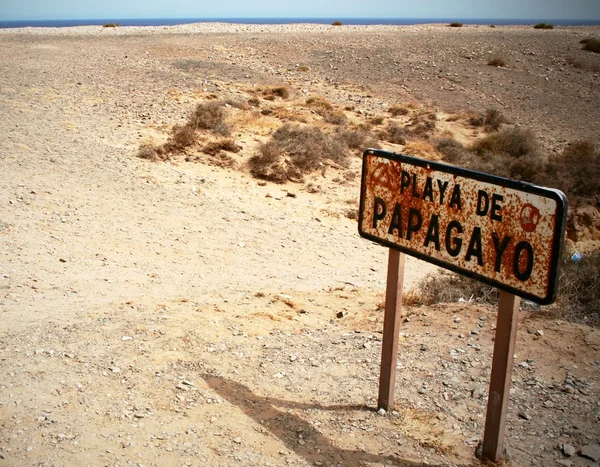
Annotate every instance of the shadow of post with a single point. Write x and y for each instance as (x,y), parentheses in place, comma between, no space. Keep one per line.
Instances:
(287,426)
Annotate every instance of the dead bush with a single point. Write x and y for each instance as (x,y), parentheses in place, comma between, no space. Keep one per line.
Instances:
(182,137)
(456,25)
(282,92)
(208,116)
(398,110)
(578,297)
(320,104)
(224,144)
(295,150)
(452,151)
(575,171)
(335,117)
(254,102)
(496,61)
(449,287)
(493,119)
(357,139)
(591,44)
(394,134)
(543,26)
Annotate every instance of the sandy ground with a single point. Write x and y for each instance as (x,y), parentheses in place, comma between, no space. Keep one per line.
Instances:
(184,314)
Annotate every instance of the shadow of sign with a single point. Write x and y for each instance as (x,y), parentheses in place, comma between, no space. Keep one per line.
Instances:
(269,413)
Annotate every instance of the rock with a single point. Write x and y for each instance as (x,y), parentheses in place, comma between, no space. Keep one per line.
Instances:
(566,463)
(381,411)
(237,440)
(539,333)
(422,391)
(591,451)
(339,314)
(549,404)
(524,416)
(568,450)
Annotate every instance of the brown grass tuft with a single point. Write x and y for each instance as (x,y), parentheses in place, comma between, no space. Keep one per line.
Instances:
(295,150)
(224,144)
(394,134)
(398,110)
(496,61)
(422,149)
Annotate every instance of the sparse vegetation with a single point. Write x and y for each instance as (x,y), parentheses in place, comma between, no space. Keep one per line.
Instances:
(456,25)
(224,144)
(591,44)
(398,110)
(294,151)
(496,61)
(394,134)
(209,116)
(111,25)
(271,93)
(336,23)
(543,26)
(578,292)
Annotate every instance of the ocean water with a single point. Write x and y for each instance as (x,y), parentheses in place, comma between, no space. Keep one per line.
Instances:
(350,21)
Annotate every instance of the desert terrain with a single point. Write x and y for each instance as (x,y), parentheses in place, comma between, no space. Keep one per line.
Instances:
(183,312)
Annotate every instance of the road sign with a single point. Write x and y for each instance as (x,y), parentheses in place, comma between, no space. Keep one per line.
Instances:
(499,231)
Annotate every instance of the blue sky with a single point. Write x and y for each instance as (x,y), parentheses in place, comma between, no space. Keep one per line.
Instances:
(120,9)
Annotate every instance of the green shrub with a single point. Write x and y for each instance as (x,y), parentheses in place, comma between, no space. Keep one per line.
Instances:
(111,25)
(543,26)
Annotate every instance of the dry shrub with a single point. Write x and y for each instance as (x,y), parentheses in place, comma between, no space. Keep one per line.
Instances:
(449,287)
(295,150)
(182,137)
(493,119)
(290,115)
(358,138)
(543,26)
(224,144)
(319,104)
(335,117)
(303,68)
(422,149)
(496,61)
(209,116)
(456,25)
(254,102)
(578,293)
(336,23)
(271,93)
(398,110)
(452,151)
(579,289)
(237,103)
(111,25)
(394,134)
(575,171)
(591,44)
(152,153)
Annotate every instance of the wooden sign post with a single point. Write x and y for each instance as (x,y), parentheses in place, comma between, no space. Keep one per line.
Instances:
(502,232)
(391,329)
(502,363)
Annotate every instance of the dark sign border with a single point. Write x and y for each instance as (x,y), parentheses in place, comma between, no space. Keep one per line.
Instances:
(556,195)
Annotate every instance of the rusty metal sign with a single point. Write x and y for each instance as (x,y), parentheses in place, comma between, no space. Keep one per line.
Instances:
(503,232)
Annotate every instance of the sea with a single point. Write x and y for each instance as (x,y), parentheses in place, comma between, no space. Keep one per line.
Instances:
(59,23)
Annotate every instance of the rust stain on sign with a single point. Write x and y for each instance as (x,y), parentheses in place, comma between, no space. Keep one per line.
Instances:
(503,232)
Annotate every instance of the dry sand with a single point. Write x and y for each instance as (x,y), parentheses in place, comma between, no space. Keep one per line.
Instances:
(183,314)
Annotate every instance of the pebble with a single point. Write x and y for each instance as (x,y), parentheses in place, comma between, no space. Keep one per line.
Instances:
(381,411)
(568,450)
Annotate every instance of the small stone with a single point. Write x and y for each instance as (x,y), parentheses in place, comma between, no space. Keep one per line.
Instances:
(381,411)
(115,369)
(339,314)
(457,320)
(291,195)
(237,440)
(568,450)
(293,358)
(475,332)
(565,463)
(126,338)
(549,404)
(591,451)
(524,416)
(539,333)
(422,391)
